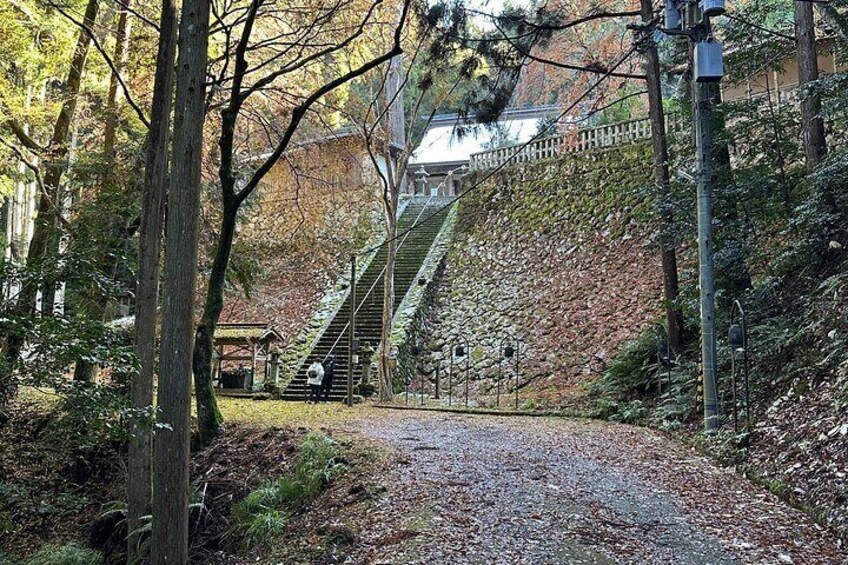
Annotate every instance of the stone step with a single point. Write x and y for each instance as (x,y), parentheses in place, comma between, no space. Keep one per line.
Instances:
(408,260)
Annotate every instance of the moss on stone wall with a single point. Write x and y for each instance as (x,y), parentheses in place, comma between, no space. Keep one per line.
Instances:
(559,253)
(586,190)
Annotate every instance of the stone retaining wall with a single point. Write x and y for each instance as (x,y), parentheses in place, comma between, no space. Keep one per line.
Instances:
(559,253)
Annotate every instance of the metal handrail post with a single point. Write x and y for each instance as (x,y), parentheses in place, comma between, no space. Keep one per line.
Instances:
(500,374)
(450,379)
(351,331)
(355,308)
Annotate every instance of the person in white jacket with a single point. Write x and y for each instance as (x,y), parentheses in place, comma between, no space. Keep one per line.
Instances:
(314,376)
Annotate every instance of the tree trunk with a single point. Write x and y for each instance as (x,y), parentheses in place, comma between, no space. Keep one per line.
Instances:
(208,416)
(95,307)
(815,146)
(734,274)
(171,464)
(147,294)
(385,371)
(122,37)
(395,175)
(6,236)
(674,318)
(812,123)
(48,205)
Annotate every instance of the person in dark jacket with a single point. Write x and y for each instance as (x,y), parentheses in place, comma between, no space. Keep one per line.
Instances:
(329,373)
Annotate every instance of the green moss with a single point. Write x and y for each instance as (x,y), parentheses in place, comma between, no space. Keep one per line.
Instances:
(70,554)
(580,190)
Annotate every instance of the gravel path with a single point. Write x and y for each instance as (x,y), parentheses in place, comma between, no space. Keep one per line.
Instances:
(478,489)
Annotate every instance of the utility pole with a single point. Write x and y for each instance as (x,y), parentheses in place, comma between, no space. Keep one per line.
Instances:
(706,281)
(351,339)
(692,19)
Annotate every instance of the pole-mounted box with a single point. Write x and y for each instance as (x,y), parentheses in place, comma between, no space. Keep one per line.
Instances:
(672,14)
(712,8)
(709,62)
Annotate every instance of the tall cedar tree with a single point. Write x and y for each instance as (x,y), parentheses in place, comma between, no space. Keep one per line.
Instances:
(48,213)
(147,294)
(659,142)
(95,308)
(171,462)
(815,146)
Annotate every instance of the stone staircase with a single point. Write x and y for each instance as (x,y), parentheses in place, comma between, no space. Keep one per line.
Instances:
(412,251)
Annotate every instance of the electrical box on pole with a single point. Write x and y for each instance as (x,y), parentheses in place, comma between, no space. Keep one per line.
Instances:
(672,14)
(712,8)
(709,63)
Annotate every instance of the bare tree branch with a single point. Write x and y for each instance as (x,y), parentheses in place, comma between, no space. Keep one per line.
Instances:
(583,68)
(107,58)
(23,137)
(300,111)
(302,62)
(147,21)
(539,26)
(38,180)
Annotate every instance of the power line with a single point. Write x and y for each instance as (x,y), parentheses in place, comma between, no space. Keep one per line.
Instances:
(759,27)
(515,153)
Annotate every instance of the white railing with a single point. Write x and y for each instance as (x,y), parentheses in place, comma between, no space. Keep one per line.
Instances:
(610,135)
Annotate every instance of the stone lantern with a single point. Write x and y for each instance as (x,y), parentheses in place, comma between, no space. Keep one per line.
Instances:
(421,182)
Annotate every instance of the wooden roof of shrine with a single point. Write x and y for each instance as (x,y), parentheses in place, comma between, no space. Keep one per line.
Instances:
(245,333)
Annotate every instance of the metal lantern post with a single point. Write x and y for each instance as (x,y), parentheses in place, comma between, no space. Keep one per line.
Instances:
(459,351)
(517,361)
(500,371)
(737,337)
(663,358)
(406,388)
(467,370)
(415,350)
(450,378)
(505,351)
